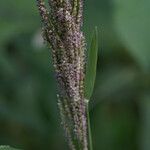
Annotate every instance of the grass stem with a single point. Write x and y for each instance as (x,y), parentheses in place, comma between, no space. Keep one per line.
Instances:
(89,126)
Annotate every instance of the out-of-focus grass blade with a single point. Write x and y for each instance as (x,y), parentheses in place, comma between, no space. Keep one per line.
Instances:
(6,147)
(91,65)
(136,34)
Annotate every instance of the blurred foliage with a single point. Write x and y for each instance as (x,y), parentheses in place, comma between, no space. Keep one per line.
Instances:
(132,20)
(120,106)
(7,148)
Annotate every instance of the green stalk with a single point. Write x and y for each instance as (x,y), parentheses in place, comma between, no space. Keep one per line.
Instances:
(89,126)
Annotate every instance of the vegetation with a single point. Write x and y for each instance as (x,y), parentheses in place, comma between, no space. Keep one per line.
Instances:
(120,104)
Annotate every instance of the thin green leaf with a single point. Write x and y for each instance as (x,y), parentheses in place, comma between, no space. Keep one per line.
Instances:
(6,147)
(91,65)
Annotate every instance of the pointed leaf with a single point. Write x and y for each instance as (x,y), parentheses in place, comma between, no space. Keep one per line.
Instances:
(91,65)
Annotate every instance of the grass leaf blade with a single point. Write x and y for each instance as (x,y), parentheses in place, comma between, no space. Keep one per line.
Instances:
(91,65)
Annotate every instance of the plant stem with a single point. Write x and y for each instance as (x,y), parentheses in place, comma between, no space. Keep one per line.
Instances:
(89,126)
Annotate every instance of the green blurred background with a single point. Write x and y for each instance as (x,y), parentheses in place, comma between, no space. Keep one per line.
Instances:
(120,105)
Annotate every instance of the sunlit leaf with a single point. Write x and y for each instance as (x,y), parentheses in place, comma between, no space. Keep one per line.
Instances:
(91,65)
